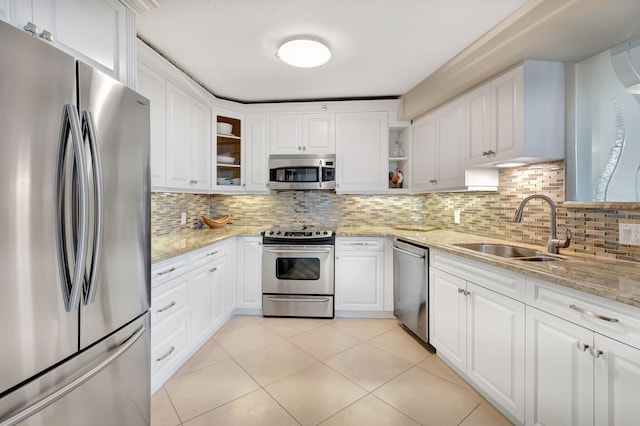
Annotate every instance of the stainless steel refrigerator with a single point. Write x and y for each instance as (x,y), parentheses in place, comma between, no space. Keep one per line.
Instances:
(74,241)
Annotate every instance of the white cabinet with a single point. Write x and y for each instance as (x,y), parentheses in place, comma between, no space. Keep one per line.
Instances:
(303,133)
(98,32)
(575,373)
(228,171)
(438,156)
(257,142)
(359,271)
(362,141)
(249,277)
(526,116)
(199,285)
(152,86)
(188,141)
(478,330)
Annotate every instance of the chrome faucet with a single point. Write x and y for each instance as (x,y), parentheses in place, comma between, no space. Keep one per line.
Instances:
(554,243)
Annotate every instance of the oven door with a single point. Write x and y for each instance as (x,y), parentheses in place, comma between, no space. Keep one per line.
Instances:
(298,269)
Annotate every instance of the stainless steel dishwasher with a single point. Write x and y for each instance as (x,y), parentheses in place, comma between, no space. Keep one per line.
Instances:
(410,287)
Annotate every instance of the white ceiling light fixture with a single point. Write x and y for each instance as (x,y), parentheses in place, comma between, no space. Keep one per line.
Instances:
(304,53)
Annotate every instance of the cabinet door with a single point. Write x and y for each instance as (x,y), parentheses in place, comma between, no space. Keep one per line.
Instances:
(506,115)
(94,31)
(249,269)
(559,374)
(217,302)
(478,125)
(286,134)
(450,144)
(423,154)
(448,317)
(359,280)
(5,10)
(200,161)
(319,133)
(616,384)
(152,86)
(178,137)
(361,151)
(256,172)
(199,296)
(495,346)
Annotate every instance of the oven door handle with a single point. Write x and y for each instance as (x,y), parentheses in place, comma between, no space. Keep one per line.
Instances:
(297,250)
(280,299)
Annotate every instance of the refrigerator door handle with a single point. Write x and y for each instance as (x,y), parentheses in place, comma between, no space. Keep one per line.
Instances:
(66,389)
(72,243)
(89,128)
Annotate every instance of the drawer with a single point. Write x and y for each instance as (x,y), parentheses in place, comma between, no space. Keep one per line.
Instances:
(169,346)
(608,317)
(359,243)
(167,299)
(208,254)
(164,271)
(511,284)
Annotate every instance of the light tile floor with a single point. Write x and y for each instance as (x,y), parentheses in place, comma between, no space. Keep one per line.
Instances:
(290,371)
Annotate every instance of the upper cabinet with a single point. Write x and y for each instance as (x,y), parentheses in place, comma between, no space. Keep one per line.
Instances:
(303,133)
(229,153)
(362,141)
(188,150)
(152,86)
(98,32)
(518,117)
(439,140)
(257,142)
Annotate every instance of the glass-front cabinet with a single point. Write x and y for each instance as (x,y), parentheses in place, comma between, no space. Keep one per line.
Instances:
(228,154)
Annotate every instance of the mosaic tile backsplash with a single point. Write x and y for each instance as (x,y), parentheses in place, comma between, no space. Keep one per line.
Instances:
(595,230)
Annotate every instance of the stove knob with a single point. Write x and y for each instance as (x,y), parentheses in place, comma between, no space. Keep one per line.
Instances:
(278,233)
(325,232)
(317,232)
(270,232)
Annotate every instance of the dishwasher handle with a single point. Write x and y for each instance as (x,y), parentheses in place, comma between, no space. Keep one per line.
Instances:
(408,252)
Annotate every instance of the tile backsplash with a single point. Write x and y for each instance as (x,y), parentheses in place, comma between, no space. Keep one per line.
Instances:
(595,229)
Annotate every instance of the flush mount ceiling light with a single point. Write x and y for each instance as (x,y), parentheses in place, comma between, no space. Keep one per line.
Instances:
(304,53)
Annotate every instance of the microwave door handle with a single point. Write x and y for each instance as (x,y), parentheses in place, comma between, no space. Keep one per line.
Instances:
(89,129)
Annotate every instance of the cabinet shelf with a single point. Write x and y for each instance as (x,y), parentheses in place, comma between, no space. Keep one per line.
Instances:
(393,159)
(231,166)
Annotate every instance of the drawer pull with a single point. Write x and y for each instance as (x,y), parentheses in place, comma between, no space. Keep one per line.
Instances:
(166,354)
(592,314)
(583,347)
(212,253)
(169,306)
(166,272)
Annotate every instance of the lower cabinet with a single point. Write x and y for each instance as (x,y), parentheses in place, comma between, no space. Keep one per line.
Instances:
(249,273)
(359,274)
(576,376)
(187,309)
(481,333)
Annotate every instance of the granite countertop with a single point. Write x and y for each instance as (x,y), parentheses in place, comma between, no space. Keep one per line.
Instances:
(610,278)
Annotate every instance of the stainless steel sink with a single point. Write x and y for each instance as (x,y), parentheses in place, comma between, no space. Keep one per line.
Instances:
(510,252)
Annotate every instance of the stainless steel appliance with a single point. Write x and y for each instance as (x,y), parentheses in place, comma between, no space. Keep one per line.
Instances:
(410,287)
(298,272)
(75,241)
(302,171)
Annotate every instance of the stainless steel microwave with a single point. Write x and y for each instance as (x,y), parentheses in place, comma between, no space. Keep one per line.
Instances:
(302,171)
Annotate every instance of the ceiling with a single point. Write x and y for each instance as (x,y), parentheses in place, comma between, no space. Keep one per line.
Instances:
(380,48)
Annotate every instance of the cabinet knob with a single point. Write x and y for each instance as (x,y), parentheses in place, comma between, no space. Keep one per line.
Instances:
(46,35)
(299,148)
(583,347)
(213,269)
(595,352)
(31,28)
(304,148)
(461,290)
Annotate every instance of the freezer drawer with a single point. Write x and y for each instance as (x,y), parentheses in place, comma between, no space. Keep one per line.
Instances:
(105,385)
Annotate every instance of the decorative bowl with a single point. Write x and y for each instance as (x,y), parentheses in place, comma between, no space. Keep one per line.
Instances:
(224,128)
(218,222)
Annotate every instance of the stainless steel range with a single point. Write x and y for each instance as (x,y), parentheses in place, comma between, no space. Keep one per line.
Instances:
(298,272)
